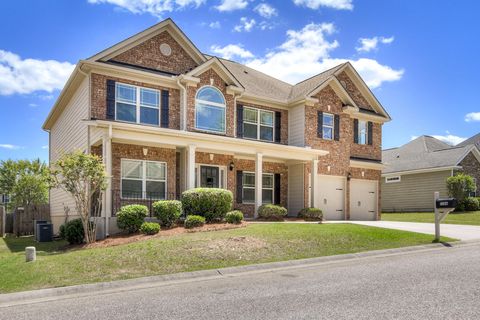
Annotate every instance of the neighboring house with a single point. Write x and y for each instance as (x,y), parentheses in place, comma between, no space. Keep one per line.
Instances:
(4,199)
(166,118)
(414,171)
(472,140)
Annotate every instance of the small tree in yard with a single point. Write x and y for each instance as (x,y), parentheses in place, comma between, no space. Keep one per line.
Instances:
(84,177)
(460,186)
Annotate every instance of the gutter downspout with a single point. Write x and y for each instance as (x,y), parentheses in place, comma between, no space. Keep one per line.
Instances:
(183,105)
(235,97)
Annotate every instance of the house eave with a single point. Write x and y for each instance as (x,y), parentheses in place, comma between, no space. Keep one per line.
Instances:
(417,171)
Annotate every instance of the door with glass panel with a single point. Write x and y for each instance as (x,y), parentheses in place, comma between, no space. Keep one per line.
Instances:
(209,177)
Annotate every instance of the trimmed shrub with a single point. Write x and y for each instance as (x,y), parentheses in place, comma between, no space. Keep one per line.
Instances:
(61,232)
(272,212)
(211,203)
(311,214)
(150,228)
(130,217)
(167,212)
(471,204)
(73,231)
(235,216)
(194,221)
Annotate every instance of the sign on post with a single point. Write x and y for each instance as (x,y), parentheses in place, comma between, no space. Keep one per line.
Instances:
(442,208)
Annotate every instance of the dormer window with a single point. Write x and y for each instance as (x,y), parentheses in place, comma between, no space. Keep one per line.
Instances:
(210,110)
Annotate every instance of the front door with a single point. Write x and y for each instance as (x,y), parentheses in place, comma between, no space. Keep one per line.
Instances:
(209,177)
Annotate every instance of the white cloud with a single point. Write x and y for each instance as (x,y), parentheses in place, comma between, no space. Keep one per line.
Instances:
(448,138)
(472,116)
(334,4)
(245,25)
(25,76)
(232,50)
(9,146)
(215,25)
(306,52)
(266,10)
(33,105)
(154,7)
(370,44)
(45,147)
(232,5)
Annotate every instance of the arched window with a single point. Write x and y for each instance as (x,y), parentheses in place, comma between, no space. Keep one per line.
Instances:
(210,110)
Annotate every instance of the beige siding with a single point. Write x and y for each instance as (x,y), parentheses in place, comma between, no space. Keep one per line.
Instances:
(295,189)
(296,126)
(68,133)
(414,192)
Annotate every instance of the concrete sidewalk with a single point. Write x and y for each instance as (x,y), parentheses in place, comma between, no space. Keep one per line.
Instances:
(456,231)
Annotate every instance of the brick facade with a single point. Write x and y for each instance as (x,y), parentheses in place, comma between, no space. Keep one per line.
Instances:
(353,91)
(148,55)
(99,98)
(471,166)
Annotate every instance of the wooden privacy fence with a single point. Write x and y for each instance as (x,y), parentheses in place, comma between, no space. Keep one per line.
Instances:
(2,221)
(23,218)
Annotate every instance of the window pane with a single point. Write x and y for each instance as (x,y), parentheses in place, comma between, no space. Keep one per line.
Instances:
(266,133)
(267,196)
(250,115)
(210,94)
(155,171)
(126,93)
(210,118)
(149,116)
(362,132)
(266,118)
(249,130)
(248,195)
(155,190)
(267,181)
(249,179)
(132,169)
(327,120)
(327,133)
(149,97)
(126,112)
(131,188)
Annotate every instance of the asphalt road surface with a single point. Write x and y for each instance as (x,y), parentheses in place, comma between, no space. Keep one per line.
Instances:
(437,284)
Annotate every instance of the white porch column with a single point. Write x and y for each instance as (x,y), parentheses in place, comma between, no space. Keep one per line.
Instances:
(258,182)
(107,158)
(190,167)
(313,182)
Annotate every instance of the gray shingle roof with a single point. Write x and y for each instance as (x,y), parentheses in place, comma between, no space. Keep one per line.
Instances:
(472,140)
(424,152)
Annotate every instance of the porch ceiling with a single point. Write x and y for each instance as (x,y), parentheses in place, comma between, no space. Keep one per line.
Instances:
(168,138)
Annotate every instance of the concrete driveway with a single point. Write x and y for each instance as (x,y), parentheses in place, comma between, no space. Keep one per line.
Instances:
(456,231)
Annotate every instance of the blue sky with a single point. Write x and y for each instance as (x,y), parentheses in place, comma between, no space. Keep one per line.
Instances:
(419,57)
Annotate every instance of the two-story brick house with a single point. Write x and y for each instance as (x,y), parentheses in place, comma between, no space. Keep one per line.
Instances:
(166,118)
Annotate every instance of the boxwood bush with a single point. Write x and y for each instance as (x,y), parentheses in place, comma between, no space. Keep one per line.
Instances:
(235,216)
(131,216)
(471,204)
(272,212)
(167,212)
(311,214)
(211,203)
(194,221)
(72,231)
(150,228)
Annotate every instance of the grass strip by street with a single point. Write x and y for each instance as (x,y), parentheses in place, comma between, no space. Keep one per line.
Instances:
(467,218)
(256,243)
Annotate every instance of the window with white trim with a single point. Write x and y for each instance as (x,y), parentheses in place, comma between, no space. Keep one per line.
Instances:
(362,132)
(328,126)
(137,104)
(248,183)
(142,179)
(393,179)
(258,124)
(210,110)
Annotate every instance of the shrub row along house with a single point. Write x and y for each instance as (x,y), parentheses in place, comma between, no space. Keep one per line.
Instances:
(166,118)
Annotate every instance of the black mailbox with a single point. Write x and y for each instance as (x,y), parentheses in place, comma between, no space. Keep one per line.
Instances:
(446,203)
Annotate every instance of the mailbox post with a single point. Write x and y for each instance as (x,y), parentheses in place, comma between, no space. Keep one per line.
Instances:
(442,208)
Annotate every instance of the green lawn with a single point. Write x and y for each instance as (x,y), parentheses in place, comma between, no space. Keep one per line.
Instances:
(188,252)
(472,218)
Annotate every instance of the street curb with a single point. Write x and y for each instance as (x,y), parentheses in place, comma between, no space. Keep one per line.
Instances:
(42,295)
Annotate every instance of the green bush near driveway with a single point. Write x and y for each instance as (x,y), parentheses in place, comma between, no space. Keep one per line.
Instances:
(211,203)
(194,221)
(150,228)
(235,216)
(311,214)
(272,212)
(167,212)
(131,217)
(471,204)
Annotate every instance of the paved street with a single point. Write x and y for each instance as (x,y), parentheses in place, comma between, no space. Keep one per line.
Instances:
(436,284)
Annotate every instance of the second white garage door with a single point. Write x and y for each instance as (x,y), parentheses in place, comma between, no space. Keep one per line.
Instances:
(363,199)
(331,197)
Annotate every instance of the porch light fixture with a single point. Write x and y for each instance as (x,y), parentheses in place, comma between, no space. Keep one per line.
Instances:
(145,152)
(231,166)
(363,174)
(349,176)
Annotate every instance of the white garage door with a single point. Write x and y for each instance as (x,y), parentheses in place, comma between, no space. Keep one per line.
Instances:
(331,197)
(363,199)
